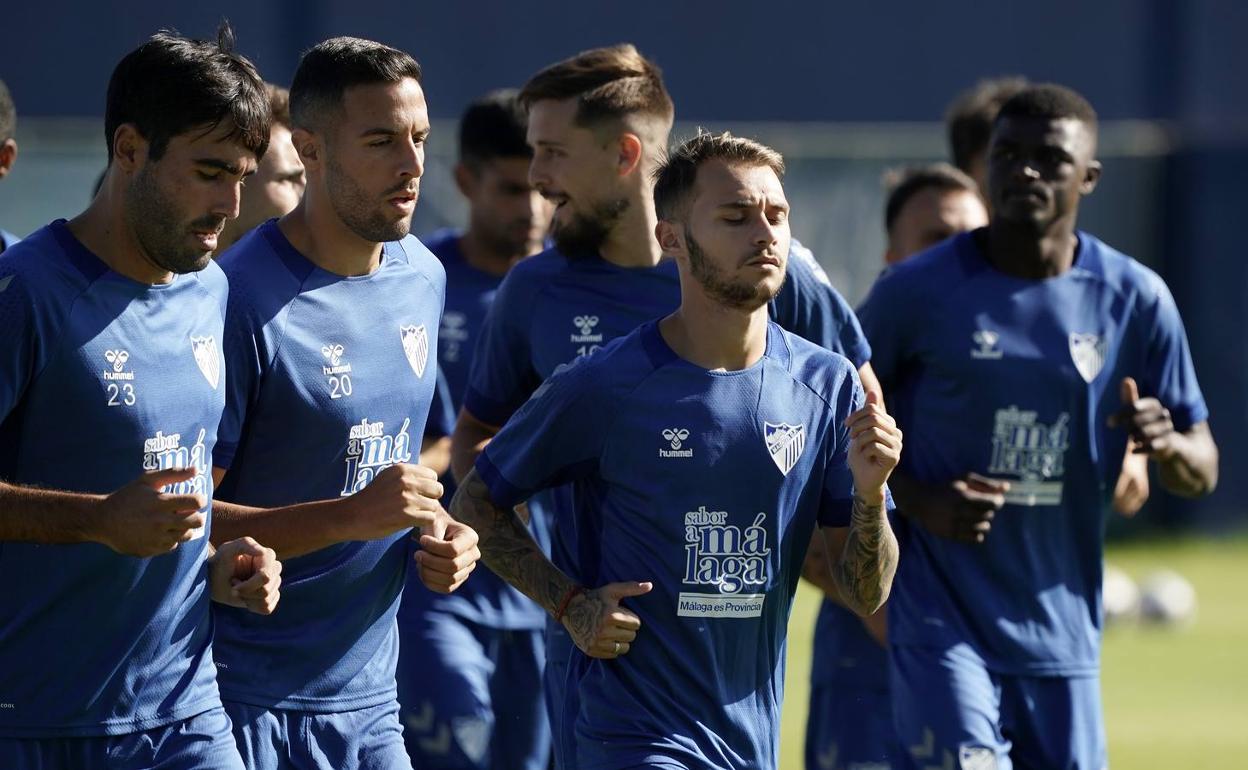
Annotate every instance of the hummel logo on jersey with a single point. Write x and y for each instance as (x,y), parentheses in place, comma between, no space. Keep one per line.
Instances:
(785,444)
(333,354)
(986,339)
(118,359)
(1088,352)
(452,336)
(586,324)
(416,347)
(676,437)
(207,358)
(338,371)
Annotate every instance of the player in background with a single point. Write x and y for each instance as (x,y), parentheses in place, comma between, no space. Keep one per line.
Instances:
(968,125)
(599,124)
(775,438)
(8,150)
(470,663)
(277,185)
(332,348)
(1031,353)
(849,725)
(111,389)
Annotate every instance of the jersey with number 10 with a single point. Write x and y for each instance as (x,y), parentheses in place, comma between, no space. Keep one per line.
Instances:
(331,378)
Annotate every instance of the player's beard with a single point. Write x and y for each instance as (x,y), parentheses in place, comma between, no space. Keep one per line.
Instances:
(360,211)
(159,226)
(585,233)
(738,295)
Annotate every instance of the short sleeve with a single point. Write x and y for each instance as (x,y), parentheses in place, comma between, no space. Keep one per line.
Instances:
(245,361)
(837,501)
(556,437)
(1170,375)
(441,420)
(28,331)
(809,306)
(502,376)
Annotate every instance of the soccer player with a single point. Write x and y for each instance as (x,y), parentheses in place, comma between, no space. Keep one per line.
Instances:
(599,124)
(848,723)
(1029,354)
(332,348)
(276,187)
(111,388)
(470,664)
(705,539)
(8,150)
(968,125)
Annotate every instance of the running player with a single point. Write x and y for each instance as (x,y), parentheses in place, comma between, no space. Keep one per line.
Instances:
(277,185)
(470,664)
(599,124)
(332,347)
(111,378)
(705,447)
(8,150)
(849,725)
(1021,342)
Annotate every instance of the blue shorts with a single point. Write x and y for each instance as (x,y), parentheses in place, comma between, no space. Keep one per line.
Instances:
(950,710)
(202,742)
(277,739)
(471,696)
(849,728)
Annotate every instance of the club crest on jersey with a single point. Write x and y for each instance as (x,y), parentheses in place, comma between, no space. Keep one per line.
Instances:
(785,444)
(1088,352)
(585,325)
(416,347)
(977,758)
(675,438)
(207,358)
(986,345)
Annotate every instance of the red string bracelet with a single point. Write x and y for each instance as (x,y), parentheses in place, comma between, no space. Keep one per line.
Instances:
(572,593)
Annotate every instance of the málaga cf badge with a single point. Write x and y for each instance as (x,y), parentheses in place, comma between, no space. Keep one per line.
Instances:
(206,357)
(1088,352)
(416,347)
(785,444)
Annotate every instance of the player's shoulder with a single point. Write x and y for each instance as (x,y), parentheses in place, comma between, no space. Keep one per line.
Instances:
(935,271)
(804,267)
(48,267)
(212,279)
(816,367)
(444,243)
(410,251)
(1121,272)
(531,275)
(615,369)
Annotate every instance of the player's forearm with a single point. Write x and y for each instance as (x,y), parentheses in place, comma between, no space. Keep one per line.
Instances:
(864,572)
(467,442)
(1191,468)
(292,530)
(435,453)
(32,515)
(506,546)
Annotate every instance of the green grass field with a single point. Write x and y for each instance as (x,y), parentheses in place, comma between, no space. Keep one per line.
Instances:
(1173,698)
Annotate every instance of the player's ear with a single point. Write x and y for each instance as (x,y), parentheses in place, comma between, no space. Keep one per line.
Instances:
(466,180)
(630,152)
(671,239)
(1091,176)
(129,147)
(308,147)
(8,154)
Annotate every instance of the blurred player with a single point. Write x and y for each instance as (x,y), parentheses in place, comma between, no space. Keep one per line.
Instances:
(8,150)
(332,348)
(470,664)
(1023,340)
(599,125)
(276,187)
(968,125)
(774,438)
(848,723)
(113,380)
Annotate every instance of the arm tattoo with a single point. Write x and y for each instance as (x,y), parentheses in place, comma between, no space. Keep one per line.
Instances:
(864,573)
(506,546)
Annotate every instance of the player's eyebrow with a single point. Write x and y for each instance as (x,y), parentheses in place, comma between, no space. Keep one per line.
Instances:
(749,203)
(229,168)
(388,132)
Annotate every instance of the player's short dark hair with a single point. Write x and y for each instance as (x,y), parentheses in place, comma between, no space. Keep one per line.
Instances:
(969,119)
(607,83)
(904,184)
(279,104)
(171,84)
(8,114)
(675,176)
(1049,101)
(329,68)
(494,126)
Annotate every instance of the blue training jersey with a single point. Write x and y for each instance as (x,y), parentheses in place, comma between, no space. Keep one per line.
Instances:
(709,484)
(486,599)
(1014,379)
(101,379)
(331,379)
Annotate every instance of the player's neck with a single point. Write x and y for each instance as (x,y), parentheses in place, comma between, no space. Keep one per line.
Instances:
(103,230)
(631,243)
(1020,252)
(480,256)
(710,335)
(316,232)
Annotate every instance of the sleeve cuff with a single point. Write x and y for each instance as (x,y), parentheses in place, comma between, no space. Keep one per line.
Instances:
(503,493)
(486,409)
